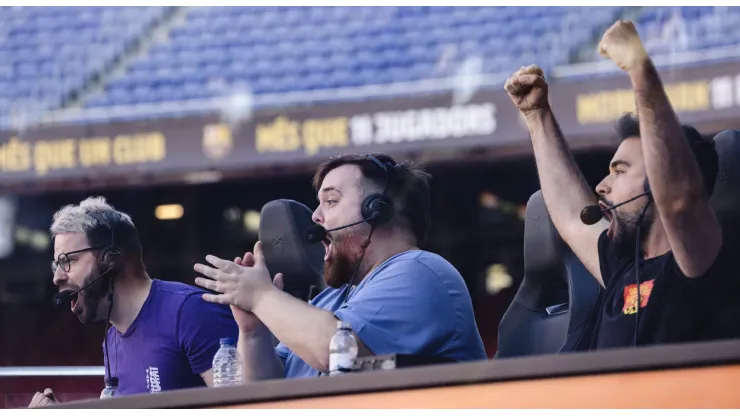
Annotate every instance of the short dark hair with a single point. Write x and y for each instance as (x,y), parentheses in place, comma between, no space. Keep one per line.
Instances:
(408,187)
(705,154)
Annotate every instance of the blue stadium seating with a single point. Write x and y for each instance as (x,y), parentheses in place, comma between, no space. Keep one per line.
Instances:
(282,49)
(48,52)
(681,29)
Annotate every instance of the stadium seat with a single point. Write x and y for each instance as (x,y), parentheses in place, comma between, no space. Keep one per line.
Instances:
(59,49)
(283,223)
(726,196)
(725,201)
(376,45)
(551,309)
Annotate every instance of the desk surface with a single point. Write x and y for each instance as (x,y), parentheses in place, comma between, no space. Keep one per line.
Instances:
(687,375)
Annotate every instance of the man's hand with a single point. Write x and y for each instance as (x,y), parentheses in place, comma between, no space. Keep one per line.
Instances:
(247,321)
(44,399)
(622,44)
(527,89)
(240,283)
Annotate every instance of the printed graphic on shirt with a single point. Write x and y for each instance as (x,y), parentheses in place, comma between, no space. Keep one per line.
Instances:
(630,297)
(152,380)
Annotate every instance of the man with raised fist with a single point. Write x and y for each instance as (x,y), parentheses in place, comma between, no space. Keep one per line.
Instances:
(665,173)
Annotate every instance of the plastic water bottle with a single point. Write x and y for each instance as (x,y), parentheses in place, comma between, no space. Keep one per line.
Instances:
(227,366)
(111,388)
(342,350)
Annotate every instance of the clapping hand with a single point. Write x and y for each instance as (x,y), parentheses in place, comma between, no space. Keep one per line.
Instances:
(238,283)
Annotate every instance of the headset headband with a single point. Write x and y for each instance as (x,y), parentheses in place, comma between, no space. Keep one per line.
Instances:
(384,167)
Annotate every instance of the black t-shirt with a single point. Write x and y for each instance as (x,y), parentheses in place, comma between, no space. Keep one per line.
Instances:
(674,308)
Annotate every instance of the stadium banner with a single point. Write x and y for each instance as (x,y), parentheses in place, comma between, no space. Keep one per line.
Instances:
(707,96)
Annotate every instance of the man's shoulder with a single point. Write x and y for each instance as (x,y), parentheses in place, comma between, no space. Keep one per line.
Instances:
(179,289)
(417,270)
(181,297)
(422,260)
(422,264)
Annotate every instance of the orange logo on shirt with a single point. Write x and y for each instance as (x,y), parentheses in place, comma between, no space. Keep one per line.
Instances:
(630,297)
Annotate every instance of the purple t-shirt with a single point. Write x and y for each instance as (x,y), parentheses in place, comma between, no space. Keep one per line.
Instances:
(171,342)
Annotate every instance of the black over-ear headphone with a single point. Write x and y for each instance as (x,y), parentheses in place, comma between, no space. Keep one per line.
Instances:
(110,256)
(378,209)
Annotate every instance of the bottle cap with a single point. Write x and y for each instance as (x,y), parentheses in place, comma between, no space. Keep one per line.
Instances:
(344,325)
(111,382)
(227,341)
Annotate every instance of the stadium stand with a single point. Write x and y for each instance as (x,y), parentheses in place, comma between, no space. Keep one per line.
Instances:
(284,49)
(48,53)
(679,29)
(53,54)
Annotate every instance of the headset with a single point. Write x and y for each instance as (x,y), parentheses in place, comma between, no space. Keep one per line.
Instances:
(638,256)
(378,209)
(594,213)
(111,258)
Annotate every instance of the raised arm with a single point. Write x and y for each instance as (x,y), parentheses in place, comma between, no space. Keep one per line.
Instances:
(565,190)
(681,199)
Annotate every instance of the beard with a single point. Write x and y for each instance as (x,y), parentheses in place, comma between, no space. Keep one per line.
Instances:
(346,250)
(625,230)
(88,308)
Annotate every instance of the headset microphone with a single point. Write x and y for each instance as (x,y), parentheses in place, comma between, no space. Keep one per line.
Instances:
(315,233)
(62,298)
(592,214)
(66,296)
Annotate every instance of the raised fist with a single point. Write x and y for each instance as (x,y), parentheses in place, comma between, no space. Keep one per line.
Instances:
(527,89)
(622,44)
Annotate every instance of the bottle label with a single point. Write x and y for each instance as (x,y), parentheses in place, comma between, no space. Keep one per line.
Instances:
(341,362)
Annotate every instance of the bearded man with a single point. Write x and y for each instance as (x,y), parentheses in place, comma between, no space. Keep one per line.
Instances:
(162,335)
(660,254)
(397,298)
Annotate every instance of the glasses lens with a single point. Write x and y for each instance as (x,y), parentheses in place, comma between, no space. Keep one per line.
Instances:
(63,261)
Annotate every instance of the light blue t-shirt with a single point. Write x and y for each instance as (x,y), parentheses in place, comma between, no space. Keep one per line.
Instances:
(415,302)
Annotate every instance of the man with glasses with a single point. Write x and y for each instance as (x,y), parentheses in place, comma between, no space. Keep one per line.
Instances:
(163,334)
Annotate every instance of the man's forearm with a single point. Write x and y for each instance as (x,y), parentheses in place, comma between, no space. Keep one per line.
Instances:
(303,328)
(675,177)
(258,355)
(565,190)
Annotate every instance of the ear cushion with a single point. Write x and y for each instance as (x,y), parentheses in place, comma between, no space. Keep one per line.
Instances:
(110,257)
(379,207)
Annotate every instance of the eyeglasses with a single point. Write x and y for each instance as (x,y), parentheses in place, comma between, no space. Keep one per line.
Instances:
(63,259)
